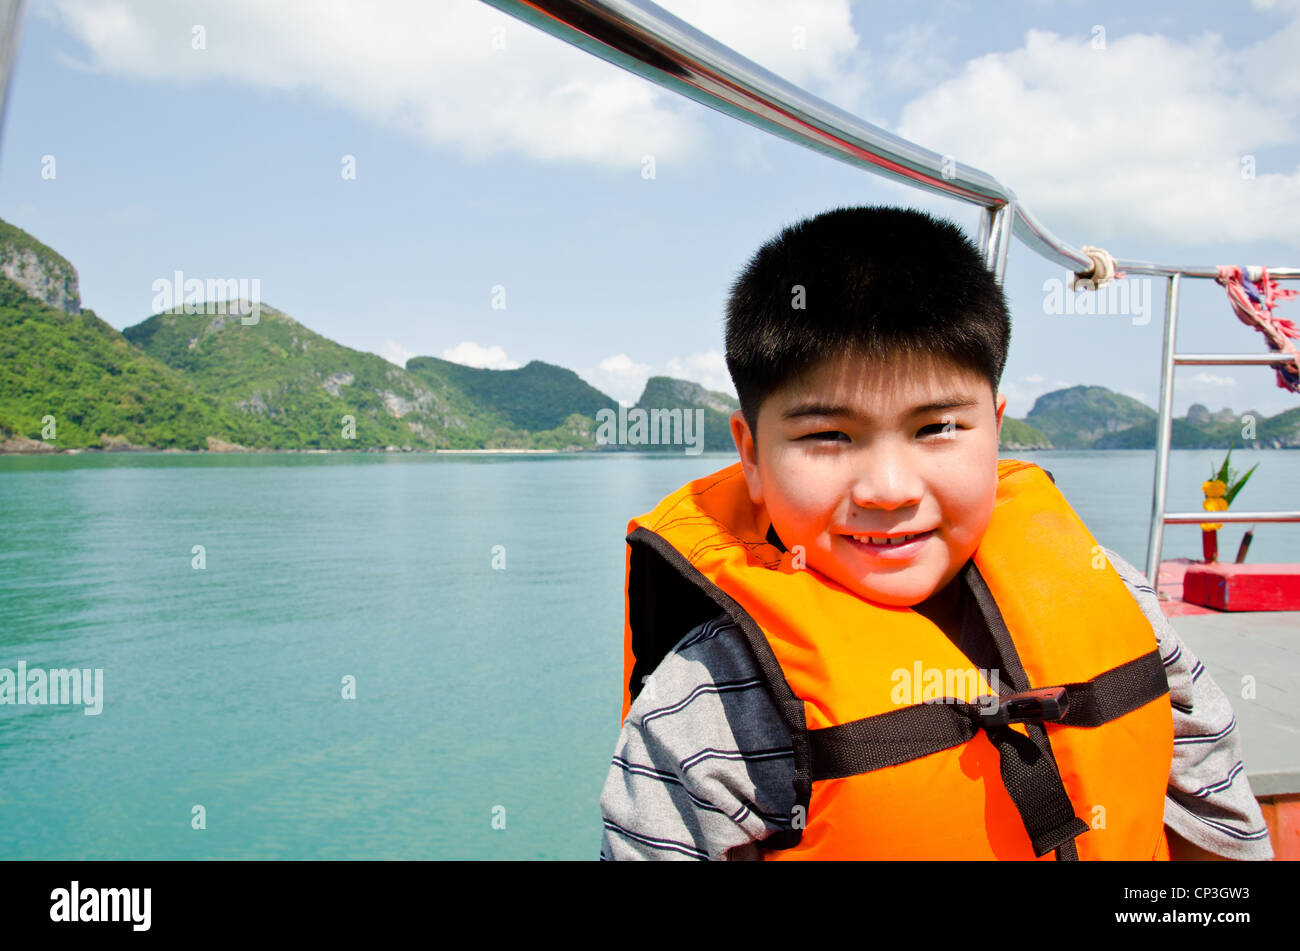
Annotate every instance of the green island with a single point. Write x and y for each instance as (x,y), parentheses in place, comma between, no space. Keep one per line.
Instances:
(215,383)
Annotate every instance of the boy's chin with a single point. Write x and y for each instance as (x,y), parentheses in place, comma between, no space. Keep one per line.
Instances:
(901,597)
(892,602)
(900,589)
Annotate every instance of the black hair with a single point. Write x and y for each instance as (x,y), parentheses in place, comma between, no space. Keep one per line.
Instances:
(876,282)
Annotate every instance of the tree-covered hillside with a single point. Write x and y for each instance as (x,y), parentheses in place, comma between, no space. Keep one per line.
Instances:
(298,389)
(539,396)
(100,390)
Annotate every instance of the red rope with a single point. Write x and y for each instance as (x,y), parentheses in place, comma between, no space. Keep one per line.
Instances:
(1252,301)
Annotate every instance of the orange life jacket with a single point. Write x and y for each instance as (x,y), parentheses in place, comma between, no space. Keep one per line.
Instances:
(1079,770)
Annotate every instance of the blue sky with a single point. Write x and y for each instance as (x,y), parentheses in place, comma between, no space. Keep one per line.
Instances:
(489,154)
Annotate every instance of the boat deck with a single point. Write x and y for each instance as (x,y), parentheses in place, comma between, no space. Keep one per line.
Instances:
(1255,658)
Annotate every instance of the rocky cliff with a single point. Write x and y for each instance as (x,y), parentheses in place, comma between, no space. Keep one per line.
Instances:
(40,271)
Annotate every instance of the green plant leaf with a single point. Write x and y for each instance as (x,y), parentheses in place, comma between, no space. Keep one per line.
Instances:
(1232,492)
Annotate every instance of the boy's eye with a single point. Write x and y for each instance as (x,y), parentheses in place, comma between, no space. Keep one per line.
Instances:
(939,428)
(833,435)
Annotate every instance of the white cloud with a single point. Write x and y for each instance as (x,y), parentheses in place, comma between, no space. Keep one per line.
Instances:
(473,355)
(458,73)
(395,353)
(707,368)
(624,379)
(622,364)
(1272,62)
(1148,133)
(1209,381)
(619,376)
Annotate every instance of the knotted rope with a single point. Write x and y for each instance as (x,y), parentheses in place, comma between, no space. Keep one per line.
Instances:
(1252,294)
(1104,270)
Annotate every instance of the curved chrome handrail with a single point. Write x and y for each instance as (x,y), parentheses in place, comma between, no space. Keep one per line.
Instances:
(649,41)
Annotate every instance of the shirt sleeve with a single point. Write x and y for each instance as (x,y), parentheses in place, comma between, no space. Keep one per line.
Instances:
(704,766)
(1209,800)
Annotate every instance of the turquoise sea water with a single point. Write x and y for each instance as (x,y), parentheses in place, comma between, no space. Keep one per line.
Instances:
(487,698)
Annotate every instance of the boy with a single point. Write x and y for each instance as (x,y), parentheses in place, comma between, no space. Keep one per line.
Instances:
(870,638)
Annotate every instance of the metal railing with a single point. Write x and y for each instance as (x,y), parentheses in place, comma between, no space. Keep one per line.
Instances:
(1170,359)
(649,41)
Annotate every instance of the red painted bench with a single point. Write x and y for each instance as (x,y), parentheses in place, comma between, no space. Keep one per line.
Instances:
(1232,587)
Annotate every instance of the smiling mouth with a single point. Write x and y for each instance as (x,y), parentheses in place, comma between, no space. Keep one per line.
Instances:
(890,544)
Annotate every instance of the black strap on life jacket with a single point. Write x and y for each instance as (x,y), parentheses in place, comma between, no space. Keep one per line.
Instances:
(1028,767)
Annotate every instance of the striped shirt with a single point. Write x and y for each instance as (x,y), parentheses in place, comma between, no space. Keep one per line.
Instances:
(704,766)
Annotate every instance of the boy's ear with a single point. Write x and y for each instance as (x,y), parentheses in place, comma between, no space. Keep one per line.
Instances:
(744,440)
(1002,405)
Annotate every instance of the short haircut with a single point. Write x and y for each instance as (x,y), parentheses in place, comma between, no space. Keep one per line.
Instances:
(876,282)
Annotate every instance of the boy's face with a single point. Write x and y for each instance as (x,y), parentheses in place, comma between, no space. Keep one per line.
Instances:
(858,448)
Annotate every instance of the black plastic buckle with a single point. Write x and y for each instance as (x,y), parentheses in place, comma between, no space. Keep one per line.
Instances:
(1029,706)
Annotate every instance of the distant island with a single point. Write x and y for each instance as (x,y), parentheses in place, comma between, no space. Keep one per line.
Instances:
(228,382)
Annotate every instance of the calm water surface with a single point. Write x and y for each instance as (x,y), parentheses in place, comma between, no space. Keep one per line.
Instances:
(482,693)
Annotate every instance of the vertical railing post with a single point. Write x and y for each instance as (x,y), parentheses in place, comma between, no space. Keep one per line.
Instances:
(1164,428)
(995,237)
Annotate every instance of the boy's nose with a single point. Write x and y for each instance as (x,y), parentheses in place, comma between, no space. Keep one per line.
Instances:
(886,483)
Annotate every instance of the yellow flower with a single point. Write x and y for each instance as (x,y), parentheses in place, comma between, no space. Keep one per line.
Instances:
(1214,489)
(1214,504)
